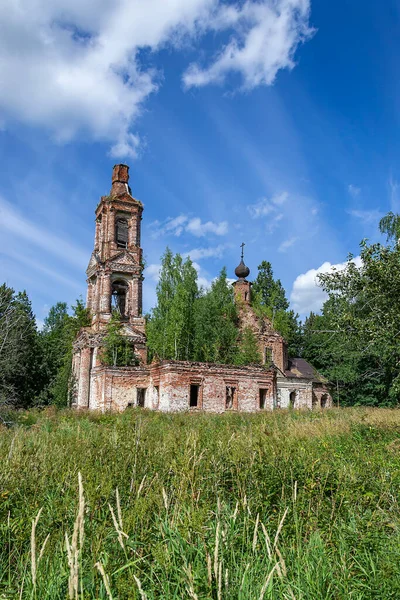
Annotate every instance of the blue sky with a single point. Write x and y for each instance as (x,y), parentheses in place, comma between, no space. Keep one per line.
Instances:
(273,123)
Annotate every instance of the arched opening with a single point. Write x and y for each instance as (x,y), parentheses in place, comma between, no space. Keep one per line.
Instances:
(324,400)
(119,296)
(292,399)
(121,233)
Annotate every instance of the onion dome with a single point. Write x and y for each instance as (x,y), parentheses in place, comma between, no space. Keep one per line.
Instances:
(242,271)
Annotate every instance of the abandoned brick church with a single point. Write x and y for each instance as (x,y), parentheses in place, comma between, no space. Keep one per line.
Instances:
(114,277)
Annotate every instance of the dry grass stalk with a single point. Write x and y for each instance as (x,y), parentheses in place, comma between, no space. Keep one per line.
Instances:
(255,533)
(74,548)
(281,562)
(266,584)
(141,486)
(140,589)
(235,512)
(219,596)
(106,580)
(119,513)
(190,586)
(209,569)
(165,498)
(119,531)
(216,551)
(33,547)
(280,528)
(267,541)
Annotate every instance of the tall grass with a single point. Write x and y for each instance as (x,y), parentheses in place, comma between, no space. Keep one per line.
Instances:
(150,506)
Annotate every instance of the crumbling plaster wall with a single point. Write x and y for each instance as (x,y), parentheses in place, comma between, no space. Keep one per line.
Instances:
(302,389)
(168,387)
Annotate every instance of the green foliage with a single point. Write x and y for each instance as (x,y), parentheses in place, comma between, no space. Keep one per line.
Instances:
(201,502)
(355,342)
(269,300)
(248,349)
(117,351)
(170,329)
(216,333)
(20,377)
(59,331)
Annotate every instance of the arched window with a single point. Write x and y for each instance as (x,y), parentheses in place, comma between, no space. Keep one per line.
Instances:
(121,233)
(292,399)
(324,400)
(119,294)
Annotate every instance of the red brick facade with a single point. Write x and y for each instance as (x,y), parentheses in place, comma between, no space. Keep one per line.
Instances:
(114,278)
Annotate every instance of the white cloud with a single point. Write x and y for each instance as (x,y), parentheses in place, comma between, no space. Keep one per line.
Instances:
(306,294)
(211,252)
(287,244)
(77,67)
(367,217)
(353,190)
(195,226)
(199,229)
(265,207)
(265,37)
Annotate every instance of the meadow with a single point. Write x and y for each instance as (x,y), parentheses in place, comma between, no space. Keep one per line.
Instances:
(150,506)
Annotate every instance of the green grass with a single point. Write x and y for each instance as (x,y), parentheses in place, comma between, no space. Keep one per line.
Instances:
(273,506)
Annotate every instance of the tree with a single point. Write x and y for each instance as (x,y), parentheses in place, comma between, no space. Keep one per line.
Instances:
(170,327)
(248,352)
(269,300)
(19,349)
(59,331)
(365,319)
(269,291)
(216,333)
(117,350)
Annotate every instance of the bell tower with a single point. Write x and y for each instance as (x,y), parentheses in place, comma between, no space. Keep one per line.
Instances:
(114,280)
(114,274)
(242,287)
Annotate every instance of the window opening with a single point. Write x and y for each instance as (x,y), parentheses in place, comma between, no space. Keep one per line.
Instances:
(263,397)
(194,396)
(229,396)
(121,233)
(157,395)
(119,294)
(141,396)
(324,400)
(268,355)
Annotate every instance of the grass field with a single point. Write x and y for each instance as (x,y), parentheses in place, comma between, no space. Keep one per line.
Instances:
(145,505)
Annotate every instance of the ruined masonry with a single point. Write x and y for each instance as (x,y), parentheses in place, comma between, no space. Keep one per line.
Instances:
(114,279)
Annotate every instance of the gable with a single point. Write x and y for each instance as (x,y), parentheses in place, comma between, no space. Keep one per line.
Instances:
(93,263)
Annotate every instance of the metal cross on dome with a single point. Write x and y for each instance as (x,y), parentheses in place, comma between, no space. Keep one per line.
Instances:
(242,245)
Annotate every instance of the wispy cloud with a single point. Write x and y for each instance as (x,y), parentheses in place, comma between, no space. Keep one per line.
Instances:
(183,223)
(24,230)
(353,190)
(394,194)
(367,217)
(211,252)
(287,244)
(265,206)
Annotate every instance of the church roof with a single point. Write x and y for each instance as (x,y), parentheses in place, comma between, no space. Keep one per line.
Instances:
(298,367)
